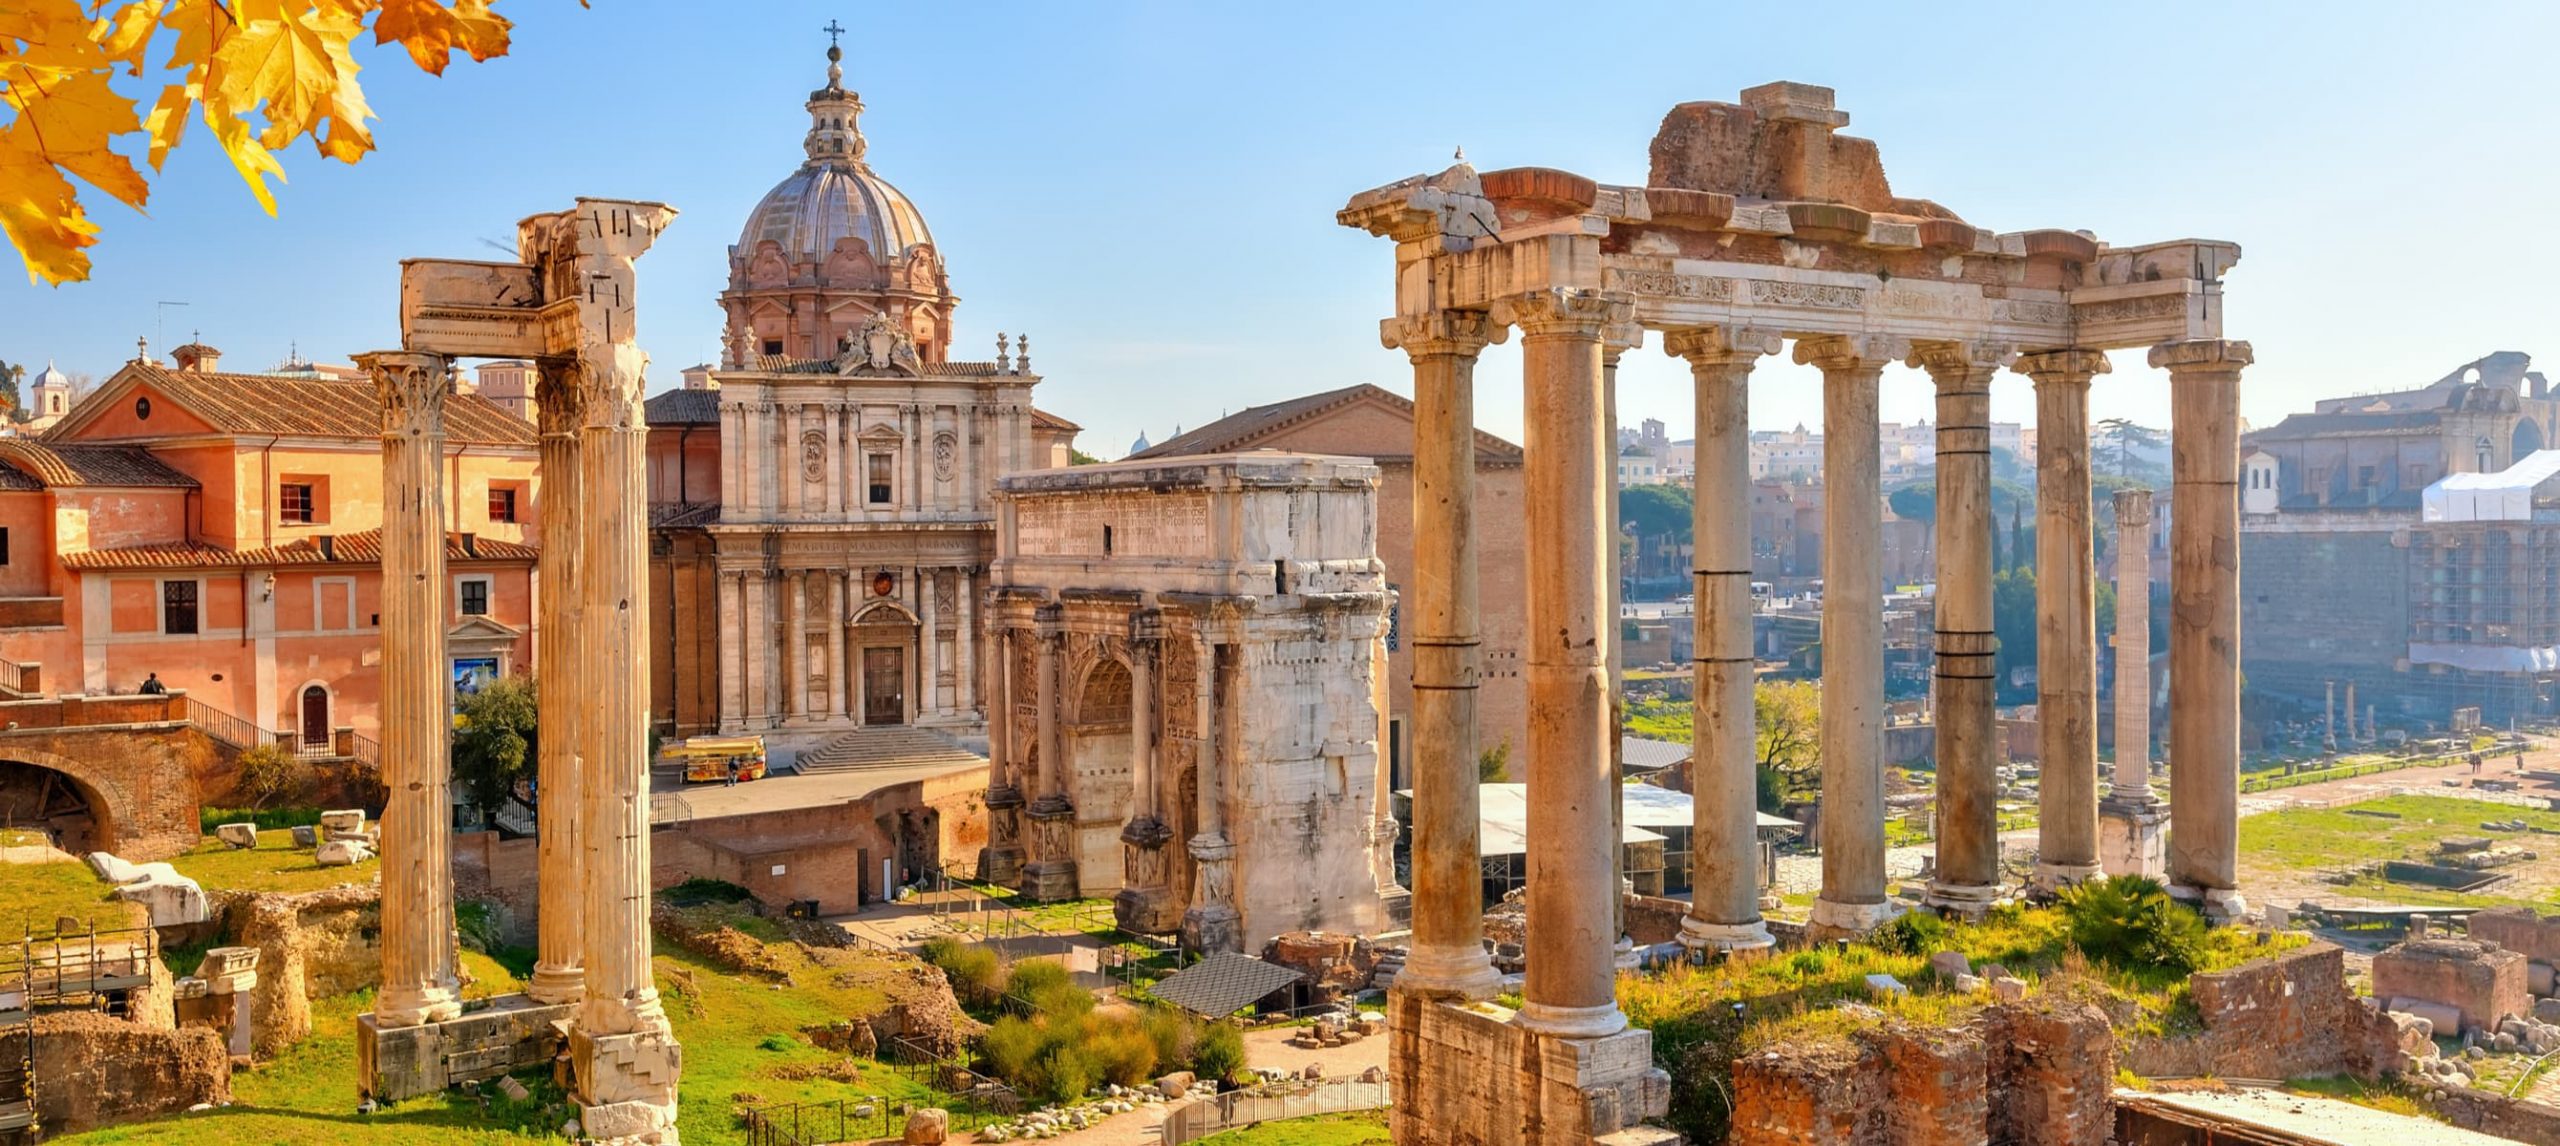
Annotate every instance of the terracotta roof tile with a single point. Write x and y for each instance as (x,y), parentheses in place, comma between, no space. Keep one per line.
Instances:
(685,408)
(1249,428)
(315,407)
(364,548)
(75,464)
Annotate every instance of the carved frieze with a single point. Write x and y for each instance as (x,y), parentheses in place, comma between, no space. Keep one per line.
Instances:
(2029,310)
(1826,296)
(2132,309)
(1669,284)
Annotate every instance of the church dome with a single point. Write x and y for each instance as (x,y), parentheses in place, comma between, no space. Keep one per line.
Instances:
(834,195)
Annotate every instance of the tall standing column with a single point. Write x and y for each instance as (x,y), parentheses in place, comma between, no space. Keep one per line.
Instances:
(2130,819)
(1145,903)
(1211,922)
(835,645)
(1724,853)
(733,640)
(1447,958)
(1051,874)
(795,644)
(1852,739)
(559,974)
(929,651)
(1966,715)
(623,1057)
(1571,990)
(419,958)
(2204,620)
(756,644)
(2066,620)
(1005,796)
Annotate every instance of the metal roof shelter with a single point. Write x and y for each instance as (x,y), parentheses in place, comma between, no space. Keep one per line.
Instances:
(1223,984)
(2506,495)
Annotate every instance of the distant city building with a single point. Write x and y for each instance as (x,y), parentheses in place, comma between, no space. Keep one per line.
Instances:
(2408,542)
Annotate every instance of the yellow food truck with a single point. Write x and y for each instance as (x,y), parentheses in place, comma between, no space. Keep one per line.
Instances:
(708,758)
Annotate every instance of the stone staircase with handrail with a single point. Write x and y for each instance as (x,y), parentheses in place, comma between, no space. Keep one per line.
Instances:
(870,748)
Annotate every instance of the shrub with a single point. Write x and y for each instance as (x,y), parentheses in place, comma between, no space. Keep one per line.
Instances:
(267,819)
(1176,1038)
(1913,933)
(1124,1054)
(1219,1054)
(1063,1001)
(1064,1073)
(697,891)
(1030,977)
(268,773)
(779,1042)
(1010,1047)
(2132,924)
(976,974)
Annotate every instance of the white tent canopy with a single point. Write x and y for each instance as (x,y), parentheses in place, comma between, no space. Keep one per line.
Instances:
(2506,495)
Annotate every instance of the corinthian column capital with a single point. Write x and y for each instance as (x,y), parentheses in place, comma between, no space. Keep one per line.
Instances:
(1961,363)
(1440,333)
(1565,312)
(559,401)
(1705,346)
(1854,353)
(413,386)
(2202,355)
(2075,366)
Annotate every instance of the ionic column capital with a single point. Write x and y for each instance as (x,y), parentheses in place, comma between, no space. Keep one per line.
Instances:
(1961,365)
(412,385)
(1852,353)
(1706,347)
(1619,337)
(1564,312)
(1441,333)
(2202,356)
(2073,365)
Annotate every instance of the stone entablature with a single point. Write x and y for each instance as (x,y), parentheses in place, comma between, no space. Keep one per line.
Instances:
(1231,610)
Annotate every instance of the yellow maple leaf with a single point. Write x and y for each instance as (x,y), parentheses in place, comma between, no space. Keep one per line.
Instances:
(69,123)
(167,121)
(40,212)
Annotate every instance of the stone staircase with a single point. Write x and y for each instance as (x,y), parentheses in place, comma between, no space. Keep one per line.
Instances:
(884,748)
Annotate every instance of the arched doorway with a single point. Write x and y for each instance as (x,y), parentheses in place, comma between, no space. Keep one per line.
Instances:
(55,806)
(314,712)
(883,651)
(2525,441)
(1098,738)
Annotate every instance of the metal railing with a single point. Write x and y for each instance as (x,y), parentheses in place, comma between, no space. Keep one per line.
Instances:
(243,733)
(20,680)
(1244,1108)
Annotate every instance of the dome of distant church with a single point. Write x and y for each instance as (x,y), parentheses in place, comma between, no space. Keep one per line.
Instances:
(834,195)
(52,377)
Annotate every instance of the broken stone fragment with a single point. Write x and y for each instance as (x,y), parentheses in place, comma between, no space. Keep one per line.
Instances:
(2010,988)
(1883,984)
(242,836)
(1949,964)
(341,853)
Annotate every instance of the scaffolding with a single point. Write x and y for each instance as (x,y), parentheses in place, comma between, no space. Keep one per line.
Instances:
(92,970)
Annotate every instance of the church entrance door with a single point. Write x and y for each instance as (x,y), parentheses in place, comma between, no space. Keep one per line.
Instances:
(884,686)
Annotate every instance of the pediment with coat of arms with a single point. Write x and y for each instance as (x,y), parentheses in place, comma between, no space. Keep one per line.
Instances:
(881,348)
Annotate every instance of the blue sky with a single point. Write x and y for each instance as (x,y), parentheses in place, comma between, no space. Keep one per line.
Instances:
(1148,188)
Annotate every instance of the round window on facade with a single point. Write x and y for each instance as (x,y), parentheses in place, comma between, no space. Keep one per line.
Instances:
(883,583)
(142,409)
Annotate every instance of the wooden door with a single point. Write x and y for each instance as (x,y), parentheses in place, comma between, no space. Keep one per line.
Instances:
(315,715)
(884,686)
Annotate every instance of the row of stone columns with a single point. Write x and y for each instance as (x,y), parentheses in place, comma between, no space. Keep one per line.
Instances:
(759,689)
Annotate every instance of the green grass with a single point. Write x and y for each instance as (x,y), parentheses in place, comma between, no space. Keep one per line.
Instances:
(1659,719)
(2316,839)
(274,865)
(35,894)
(1359,1128)
(306,1096)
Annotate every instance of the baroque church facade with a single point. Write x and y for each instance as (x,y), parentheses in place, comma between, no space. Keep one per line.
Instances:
(822,496)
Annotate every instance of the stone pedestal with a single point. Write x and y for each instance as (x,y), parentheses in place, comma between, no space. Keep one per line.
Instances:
(1146,904)
(1050,877)
(1002,864)
(512,1033)
(2133,838)
(1212,923)
(1475,1076)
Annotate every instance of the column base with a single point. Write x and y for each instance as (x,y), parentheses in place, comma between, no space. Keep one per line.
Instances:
(1049,881)
(1969,900)
(1593,1022)
(2133,838)
(1147,910)
(1835,920)
(1449,973)
(512,1033)
(2051,878)
(625,1085)
(1701,937)
(1216,927)
(1622,955)
(2222,906)
(1050,877)
(417,1006)
(1467,1075)
(554,986)
(1001,865)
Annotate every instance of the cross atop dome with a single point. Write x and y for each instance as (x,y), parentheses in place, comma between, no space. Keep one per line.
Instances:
(835,56)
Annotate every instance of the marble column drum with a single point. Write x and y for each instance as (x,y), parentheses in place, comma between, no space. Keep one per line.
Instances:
(2132,826)
(1447,957)
(559,969)
(1572,892)
(1853,899)
(2066,620)
(1965,711)
(2204,620)
(1724,852)
(420,961)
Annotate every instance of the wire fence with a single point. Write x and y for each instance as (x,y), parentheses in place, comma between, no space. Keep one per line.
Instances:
(1244,1108)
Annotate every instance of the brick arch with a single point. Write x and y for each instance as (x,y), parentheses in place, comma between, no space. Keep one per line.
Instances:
(111,801)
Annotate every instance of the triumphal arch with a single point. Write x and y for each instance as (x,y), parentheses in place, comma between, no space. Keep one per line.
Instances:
(1760,225)
(567,303)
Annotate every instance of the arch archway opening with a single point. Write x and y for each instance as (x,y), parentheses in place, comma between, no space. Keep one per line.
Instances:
(39,805)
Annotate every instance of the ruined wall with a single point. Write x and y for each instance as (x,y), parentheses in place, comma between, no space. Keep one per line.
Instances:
(2519,929)
(2484,981)
(143,785)
(2504,1117)
(830,853)
(492,869)
(2034,1073)
(1653,919)
(2291,1016)
(310,945)
(93,1071)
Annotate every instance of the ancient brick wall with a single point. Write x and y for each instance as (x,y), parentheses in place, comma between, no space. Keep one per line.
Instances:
(2520,929)
(2290,1016)
(2052,1066)
(2485,982)
(310,945)
(1653,919)
(505,872)
(1819,1094)
(2035,1073)
(2504,1117)
(93,1071)
(144,777)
